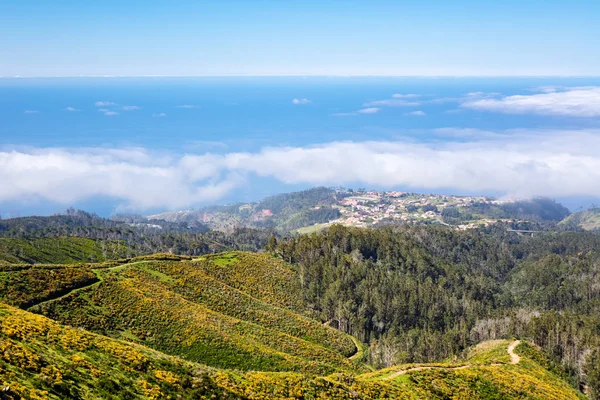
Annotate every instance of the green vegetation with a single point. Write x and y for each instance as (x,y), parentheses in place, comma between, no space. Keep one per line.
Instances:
(27,286)
(282,213)
(588,220)
(537,210)
(59,250)
(41,359)
(82,237)
(393,312)
(423,294)
(212,310)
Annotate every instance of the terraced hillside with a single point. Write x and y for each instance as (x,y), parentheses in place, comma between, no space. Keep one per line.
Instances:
(42,359)
(234,310)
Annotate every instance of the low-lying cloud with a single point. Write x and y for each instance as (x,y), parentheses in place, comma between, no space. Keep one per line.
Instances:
(517,163)
(570,102)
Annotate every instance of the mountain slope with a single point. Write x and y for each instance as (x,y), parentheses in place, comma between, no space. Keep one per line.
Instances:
(210,311)
(588,220)
(41,359)
(59,250)
(282,212)
(317,208)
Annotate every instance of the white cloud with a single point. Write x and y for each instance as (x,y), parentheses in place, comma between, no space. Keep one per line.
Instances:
(300,101)
(188,106)
(369,110)
(105,104)
(517,163)
(109,113)
(30,112)
(344,114)
(572,102)
(130,108)
(159,115)
(522,163)
(71,109)
(392,103)
(405,96)
(417,113)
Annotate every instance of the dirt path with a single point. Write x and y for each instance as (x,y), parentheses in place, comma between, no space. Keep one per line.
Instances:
(514,359)
(357,344)
(358,349)
(95,283)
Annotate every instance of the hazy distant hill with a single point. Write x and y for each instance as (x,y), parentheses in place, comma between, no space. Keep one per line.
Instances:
(588,220)
(317,208)
(283,212)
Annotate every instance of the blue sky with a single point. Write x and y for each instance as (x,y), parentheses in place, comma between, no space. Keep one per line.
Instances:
(133,38)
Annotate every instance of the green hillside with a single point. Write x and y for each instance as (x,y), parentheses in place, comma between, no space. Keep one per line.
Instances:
(59,250)
(41,359)
(588,220)
(211,310)
(403,312)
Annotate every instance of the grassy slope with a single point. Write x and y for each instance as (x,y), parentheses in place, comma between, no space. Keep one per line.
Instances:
(41,359)
(57,250)
(588,219)
(486,373)
(29,285)
(236,310)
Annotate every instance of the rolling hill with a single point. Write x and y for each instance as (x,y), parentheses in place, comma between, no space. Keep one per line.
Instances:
(42,359)
(437,309)
(209,310)
(588,220)
(314,209)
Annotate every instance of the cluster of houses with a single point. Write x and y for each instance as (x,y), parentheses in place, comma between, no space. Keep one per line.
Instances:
(370,208)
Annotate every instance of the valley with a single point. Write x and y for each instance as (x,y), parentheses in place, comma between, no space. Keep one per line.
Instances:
(108,310)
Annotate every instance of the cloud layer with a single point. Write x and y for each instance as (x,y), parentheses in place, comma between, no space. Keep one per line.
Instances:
(571,102)
(518,163)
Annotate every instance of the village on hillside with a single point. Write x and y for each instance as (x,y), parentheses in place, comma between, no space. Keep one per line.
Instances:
(368,208)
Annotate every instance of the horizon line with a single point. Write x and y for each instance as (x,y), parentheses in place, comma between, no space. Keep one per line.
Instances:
(299,76)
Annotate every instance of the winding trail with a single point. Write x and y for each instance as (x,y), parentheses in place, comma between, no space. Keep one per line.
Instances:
(357,344)
(359,351)
(514,359)
(96,271)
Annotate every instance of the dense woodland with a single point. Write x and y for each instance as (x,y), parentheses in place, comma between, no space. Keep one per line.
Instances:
(38,239)
(542,211)
(419,294)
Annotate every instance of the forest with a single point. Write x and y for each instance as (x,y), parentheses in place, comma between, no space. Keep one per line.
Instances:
(363,303)
(420,294)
